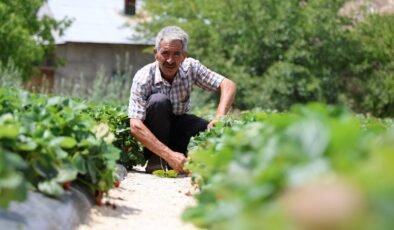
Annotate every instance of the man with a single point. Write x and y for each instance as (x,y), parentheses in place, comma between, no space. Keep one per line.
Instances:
(160,99)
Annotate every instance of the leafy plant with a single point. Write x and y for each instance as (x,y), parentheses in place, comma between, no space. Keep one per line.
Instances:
(12,183)
(25,38)
(58,141)
(246,170)
(165,173)
(285,52)
(117,118)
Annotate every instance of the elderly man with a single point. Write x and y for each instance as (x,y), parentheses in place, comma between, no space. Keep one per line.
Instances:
(160,99)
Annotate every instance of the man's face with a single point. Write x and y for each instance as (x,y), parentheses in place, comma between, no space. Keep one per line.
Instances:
(170,56)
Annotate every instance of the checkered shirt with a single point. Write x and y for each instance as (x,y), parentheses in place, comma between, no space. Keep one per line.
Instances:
(148,81)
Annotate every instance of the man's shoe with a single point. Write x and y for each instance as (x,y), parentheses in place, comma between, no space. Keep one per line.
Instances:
(155,163)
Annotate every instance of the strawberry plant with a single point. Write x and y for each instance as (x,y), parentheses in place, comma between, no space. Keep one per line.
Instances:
(12,183)
(165,173)
(56,141)
(245,170)
(131,151)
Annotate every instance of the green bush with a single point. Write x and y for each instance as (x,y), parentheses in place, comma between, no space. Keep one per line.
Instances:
(285,52)
(370,88)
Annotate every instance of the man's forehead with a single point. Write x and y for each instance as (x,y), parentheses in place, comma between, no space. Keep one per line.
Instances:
(170,44)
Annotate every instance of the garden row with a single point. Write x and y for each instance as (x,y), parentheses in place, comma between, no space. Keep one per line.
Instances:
(315,167)
(49,143)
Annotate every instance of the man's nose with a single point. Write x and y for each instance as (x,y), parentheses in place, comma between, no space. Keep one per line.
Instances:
(170,59)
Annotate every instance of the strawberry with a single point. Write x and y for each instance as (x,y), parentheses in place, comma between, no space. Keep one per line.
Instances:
(99,202)
(66,185)
(117,184)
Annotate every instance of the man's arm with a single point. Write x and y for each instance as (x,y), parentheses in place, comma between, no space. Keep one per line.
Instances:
(175,159)
(227,94)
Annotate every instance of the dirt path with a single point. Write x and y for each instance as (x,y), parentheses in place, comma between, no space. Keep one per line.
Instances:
(144,202)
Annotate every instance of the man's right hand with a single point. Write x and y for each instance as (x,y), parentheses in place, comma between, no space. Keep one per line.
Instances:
(176,161)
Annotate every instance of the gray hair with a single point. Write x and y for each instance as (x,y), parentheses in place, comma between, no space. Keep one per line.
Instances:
(172,33)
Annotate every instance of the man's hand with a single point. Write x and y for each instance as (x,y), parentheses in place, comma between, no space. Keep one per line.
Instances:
(212,123)
(176,161)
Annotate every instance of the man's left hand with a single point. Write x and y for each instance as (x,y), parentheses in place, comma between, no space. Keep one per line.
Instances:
(212,123)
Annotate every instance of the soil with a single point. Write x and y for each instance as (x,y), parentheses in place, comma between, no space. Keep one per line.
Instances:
(144,201)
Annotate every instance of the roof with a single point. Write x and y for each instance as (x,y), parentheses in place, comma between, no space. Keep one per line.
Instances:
(94,21)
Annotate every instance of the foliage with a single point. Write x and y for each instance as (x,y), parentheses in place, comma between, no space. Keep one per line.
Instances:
(371,76)
(10,76)
(285,52)
(165,173)
(247,169)
(117,119)
(24,37)
(49,141)
(256,37)
(12,184)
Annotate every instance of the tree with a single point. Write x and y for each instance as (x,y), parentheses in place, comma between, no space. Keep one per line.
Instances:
(372,67)
(25,39)
(278,52)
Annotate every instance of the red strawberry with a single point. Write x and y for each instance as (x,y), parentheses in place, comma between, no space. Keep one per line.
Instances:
(99,202)
(117,184)
(66,185)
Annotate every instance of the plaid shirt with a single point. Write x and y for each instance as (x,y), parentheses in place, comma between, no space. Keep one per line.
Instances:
(148,81)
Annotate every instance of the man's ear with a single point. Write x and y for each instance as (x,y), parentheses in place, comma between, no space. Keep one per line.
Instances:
(155,53)
(184,55)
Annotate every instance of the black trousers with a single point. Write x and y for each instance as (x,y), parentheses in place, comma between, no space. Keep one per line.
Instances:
(174,131)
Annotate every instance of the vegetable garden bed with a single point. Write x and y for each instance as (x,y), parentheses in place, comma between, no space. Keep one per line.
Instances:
(259,170)
(48,144)
(314,167)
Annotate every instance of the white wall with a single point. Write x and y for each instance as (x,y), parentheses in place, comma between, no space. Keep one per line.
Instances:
(86,59)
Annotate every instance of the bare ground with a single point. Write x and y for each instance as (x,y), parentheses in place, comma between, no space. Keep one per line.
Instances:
(145,202)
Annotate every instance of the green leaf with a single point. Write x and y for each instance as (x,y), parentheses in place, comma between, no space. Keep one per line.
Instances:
(60,153)
(43,167)
(10,180)
(66,174)
(91,171)
(88,142)
(171,174)
(28,146)
(14,160)
(64,142)
(167,174)
(79,163)
(51,188)
(8,195)
(159,173)
(8,131)
(55,101)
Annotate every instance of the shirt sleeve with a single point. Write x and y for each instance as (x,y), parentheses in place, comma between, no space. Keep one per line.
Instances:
(138,97)
(206,78)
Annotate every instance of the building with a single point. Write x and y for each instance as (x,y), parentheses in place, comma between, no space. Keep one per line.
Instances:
(100,38)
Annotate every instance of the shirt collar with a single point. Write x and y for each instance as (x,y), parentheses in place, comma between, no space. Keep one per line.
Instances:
(158,77)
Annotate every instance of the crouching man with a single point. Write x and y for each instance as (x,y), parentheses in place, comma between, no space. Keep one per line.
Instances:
(160,101)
